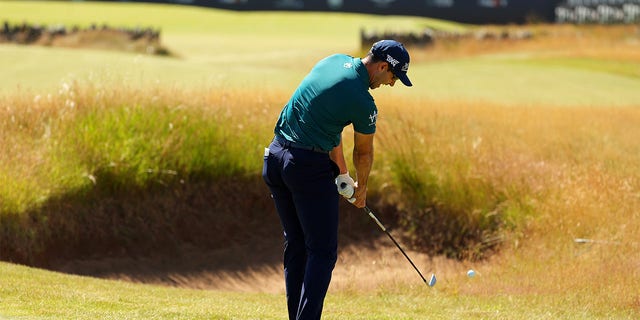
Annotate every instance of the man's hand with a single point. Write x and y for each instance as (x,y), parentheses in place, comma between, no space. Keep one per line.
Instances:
(359,198)
(345,185)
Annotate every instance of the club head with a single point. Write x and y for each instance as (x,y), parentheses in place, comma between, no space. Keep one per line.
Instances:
(432,280)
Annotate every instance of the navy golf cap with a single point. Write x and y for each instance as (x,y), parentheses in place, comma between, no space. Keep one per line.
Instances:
(396,55)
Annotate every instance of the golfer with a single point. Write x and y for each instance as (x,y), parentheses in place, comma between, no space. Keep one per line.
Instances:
(305,169)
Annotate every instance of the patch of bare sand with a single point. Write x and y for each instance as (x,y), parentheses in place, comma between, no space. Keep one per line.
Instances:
(366,266)
(382,265)
(252,262)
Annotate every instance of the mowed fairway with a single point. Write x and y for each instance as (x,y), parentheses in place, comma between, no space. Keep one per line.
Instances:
(552,125)
(275,50)
(213,47)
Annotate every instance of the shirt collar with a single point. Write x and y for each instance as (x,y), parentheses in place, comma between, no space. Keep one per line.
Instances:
(362,71)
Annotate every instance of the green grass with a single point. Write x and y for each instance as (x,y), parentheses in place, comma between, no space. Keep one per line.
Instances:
(215,47)
(275,49)
(529,81)
(618,67)
(49,295)
(194,20)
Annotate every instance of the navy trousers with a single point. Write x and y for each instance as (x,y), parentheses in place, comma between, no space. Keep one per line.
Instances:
(303,189)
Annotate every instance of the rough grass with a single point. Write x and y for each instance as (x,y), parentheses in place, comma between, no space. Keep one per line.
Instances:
(464,177)
(86,152)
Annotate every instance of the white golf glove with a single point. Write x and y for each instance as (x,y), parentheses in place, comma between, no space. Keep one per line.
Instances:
(345,185)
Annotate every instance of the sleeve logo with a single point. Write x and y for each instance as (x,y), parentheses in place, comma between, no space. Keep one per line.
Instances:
(373,118)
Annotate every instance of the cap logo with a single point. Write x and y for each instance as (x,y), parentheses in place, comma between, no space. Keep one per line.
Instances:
(405,68)
(392,61)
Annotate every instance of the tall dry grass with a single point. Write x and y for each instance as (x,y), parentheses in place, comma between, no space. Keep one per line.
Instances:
(82,163)
(551,175)
(57,141)
(463,178)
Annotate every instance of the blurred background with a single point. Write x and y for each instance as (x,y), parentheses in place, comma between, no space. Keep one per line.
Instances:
(466,11)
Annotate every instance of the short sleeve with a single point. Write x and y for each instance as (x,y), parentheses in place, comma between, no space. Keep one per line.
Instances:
(364,121)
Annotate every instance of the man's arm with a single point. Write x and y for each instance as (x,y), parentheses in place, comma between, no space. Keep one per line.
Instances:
(363,161)
(337,155)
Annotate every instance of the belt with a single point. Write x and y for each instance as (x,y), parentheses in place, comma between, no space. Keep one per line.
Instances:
(286,143)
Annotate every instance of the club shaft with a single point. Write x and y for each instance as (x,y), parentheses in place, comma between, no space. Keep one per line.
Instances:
(370,213)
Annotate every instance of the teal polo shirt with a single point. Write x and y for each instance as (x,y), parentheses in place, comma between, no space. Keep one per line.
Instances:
(333,95)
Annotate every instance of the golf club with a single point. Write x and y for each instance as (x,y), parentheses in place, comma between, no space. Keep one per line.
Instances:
(432,280)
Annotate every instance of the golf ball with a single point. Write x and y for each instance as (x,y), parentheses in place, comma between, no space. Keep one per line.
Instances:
(471,273)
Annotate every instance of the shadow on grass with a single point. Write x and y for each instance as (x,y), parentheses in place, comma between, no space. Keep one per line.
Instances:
(160,233)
